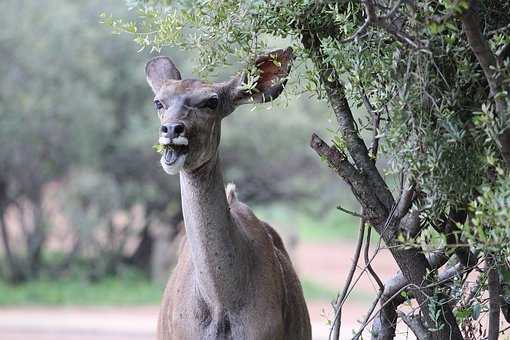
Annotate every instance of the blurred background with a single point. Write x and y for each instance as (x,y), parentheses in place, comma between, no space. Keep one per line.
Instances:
(90,222)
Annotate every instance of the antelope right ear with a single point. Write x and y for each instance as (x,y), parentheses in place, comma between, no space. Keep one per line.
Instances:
(160,69)
(272,72)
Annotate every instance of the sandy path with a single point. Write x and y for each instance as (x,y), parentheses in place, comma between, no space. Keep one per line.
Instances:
(77,323)
(325,264)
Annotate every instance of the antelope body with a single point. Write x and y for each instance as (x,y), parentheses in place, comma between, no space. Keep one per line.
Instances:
(234,279)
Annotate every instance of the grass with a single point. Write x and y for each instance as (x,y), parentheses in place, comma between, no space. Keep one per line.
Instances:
(127,289)
(315,291)
(331,226)
(132,288)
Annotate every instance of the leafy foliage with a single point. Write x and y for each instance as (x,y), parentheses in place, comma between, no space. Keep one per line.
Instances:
(77,119)
(429,98)
(411,67)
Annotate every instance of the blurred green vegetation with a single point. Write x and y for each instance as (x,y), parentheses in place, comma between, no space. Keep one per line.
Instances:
(78,175)
(315,291)
(330,226)
(129,287)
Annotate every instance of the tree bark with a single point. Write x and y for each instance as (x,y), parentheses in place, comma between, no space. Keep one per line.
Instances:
(494,288)
(375,198)
(489,63)
(14,274)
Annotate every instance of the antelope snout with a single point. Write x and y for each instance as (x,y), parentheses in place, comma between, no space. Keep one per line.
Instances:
(172,130)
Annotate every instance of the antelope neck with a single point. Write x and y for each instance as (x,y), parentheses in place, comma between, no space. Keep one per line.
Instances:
(219,249)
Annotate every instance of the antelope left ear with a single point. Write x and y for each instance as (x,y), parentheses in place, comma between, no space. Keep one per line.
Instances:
(160,69)
(268,82)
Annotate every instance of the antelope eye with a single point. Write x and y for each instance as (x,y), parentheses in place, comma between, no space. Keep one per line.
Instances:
(210,103)
(158,104)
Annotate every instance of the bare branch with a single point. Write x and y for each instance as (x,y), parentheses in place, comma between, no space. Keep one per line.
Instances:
(393,10)
(385,323)
(401,36)
(385,23)
(480,46)
(416,325)
(377,280)
(368,317)
(337,99)
(335,328)
(359,184)
(494,297)
(348,211)
(406,199)
(368,261)
(499,30)
(358,32)
(489,63)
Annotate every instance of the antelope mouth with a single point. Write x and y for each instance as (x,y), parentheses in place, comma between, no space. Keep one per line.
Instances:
(174,154)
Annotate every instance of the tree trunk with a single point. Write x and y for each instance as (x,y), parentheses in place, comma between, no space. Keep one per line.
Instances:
(14,274)
(377,201)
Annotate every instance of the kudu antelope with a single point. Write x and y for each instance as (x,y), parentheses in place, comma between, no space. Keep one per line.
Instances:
(234,279)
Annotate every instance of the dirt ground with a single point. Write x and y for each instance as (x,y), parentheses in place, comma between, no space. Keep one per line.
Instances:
(326,264)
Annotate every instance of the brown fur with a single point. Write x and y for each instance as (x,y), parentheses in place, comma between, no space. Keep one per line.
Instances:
(234,279)
(275,306)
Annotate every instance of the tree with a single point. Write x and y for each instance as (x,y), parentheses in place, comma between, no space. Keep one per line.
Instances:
(40,138)
(68,116)
(429,81)
(76,115)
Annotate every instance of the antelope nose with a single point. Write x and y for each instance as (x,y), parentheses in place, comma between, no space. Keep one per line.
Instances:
(172,130)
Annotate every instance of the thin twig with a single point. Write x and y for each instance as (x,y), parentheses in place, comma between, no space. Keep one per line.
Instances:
(367,261)
(335,329)
(494,288)
(369,314)
(349,212)
(393,10)
(376,278)
(416,325)
(499,30)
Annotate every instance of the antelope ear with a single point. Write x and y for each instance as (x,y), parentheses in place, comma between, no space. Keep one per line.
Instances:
(160,69)
(269,81)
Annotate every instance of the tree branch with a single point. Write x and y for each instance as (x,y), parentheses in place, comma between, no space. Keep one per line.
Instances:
(385,23)
(416,325)
(338,101)
(489,63)
(359,184)
(371,190)
(352,213)
(377,280)
(335,328)
(384,325)
(406,200)
(494,297)
(450,229)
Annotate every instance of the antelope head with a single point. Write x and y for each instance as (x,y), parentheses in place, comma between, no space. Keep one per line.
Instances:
(190,111)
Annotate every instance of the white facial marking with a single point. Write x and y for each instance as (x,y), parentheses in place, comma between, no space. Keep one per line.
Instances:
(176,141)
(175,168)
(180,141)
(164,140)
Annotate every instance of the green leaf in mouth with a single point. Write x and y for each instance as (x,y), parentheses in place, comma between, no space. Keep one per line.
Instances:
(160,148)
